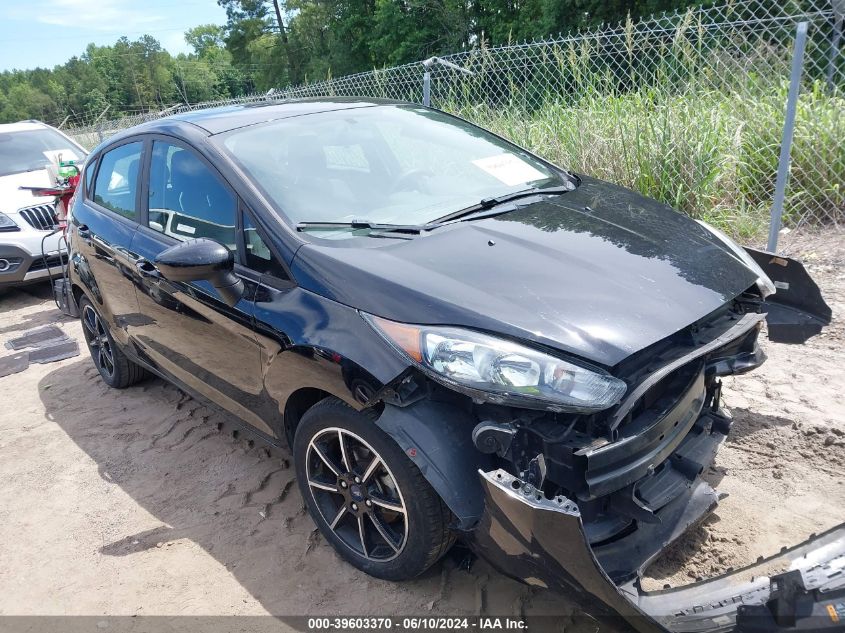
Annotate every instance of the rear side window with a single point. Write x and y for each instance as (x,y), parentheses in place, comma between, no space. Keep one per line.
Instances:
(117,179)
(187,199)
(89,169)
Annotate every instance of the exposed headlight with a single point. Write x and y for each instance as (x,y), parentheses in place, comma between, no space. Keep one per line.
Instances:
(763,282)
(7,224)
(504,371)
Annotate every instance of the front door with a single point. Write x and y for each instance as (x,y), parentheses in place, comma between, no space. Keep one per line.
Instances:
(187,331)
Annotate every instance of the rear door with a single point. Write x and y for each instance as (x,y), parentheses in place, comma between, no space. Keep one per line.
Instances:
(187,332)
(103,227)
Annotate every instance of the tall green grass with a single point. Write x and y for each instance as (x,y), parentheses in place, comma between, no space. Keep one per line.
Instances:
(693,117)
(711,154)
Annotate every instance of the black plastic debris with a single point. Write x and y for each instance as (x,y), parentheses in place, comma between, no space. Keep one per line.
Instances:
(63,295)
(36,336)
(56,350)
(13,363)
(44,345)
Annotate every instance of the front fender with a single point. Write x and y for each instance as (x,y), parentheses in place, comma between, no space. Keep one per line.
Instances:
(438,439)
(308,343)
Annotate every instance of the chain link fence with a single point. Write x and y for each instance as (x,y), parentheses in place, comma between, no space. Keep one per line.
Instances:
(685,107)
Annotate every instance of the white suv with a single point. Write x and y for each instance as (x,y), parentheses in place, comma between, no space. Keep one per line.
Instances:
(25,220)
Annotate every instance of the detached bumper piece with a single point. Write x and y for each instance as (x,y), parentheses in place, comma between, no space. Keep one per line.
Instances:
(797,311)
(543,543)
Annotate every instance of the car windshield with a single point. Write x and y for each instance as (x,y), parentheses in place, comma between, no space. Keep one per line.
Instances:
(28,150)
(386,164)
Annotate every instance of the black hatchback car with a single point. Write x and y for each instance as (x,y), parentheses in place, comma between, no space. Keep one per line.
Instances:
(456,338)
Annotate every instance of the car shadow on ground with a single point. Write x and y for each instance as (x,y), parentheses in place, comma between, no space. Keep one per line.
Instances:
(209,483)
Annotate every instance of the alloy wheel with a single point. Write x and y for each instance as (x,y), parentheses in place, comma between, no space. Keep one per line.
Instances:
(356,494)
(98,340)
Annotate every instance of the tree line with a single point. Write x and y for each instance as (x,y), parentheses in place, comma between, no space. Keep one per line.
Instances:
(275,43)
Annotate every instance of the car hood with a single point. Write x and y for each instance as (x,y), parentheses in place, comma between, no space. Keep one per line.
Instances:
(12,197)
(600,272)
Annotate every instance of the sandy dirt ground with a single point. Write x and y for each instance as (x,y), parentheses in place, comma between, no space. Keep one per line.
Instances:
(142,502)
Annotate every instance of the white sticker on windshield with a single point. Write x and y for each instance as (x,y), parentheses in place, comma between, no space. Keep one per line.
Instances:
(185,228)
(509,169)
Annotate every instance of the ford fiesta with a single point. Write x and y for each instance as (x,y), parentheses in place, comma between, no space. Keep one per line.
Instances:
(457,339)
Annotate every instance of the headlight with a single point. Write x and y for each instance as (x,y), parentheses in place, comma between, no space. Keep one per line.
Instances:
(763,282)
(7,224)
(506,372)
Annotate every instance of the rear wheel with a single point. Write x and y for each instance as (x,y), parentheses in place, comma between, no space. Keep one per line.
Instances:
(115,369)
(367,498)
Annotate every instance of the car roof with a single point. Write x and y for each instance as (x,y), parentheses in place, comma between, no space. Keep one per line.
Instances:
(225,118)
(22,126)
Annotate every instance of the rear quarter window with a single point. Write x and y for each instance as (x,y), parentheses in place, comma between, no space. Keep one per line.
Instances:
(89,169)
(116,185)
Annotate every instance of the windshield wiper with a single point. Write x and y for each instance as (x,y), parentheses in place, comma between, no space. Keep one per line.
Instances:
(365,224)
(487,204)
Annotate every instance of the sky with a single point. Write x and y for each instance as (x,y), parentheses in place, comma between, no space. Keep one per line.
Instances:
(45,33)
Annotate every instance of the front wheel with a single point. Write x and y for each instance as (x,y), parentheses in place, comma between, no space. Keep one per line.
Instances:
(366,497)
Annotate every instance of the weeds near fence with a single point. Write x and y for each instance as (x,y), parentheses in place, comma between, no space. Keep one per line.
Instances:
(690,114)
(710,154)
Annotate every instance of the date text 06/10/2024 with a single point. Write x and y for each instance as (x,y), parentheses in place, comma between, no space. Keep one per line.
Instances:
(417,623)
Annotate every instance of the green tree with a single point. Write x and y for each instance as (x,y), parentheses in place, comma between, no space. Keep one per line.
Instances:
(274,43)
(205,39)
(248,25)
(415,29)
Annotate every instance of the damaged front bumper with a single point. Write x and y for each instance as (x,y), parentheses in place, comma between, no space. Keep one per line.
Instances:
(543,543)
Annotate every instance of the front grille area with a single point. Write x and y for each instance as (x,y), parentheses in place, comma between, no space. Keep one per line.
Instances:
(649,438)
(40,263)
(41,217)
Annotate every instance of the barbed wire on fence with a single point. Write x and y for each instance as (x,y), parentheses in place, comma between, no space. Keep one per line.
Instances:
(686,107)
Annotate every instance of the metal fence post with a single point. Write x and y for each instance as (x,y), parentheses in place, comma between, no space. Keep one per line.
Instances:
(427,64)
(98,123)
(788,132)
(835,40)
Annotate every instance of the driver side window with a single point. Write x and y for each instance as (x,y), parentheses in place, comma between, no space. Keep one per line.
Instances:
(187,199)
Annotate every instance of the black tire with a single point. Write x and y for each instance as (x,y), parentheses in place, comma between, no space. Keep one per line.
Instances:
(115,369)
(424,524)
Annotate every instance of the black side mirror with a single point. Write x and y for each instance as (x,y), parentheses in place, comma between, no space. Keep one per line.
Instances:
(202,258)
